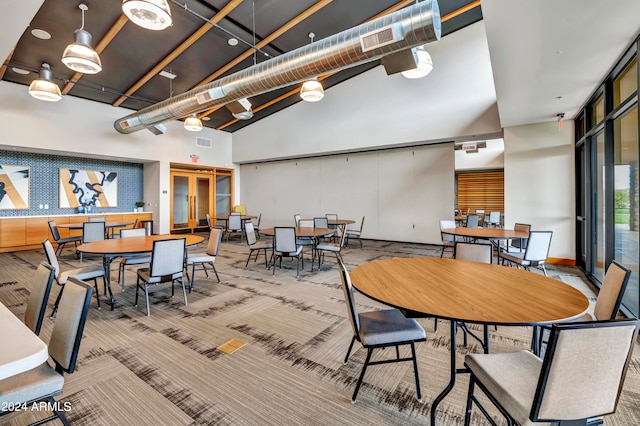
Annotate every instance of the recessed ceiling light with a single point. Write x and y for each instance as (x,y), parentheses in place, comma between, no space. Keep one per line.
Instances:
(207,118)
(232,41)
(41,34)
(20,71)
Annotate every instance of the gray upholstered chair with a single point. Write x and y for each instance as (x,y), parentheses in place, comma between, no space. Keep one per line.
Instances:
(323,222)
(285,245)
(234,226)
(336,228)
(55,234)
(38,296)
(307,241)
(133,259)
(448,240)
(355,233)
(256,226)
(472,221)
(516,245)
(534,255)
(206,258)
(254,245)
(581,376)
(86,273)
(380,329)
(44,382)
(494,220)
(334,248)
(167,263)
(92,231)
(296,219)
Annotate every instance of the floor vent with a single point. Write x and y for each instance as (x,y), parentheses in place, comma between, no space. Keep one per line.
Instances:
(203,143)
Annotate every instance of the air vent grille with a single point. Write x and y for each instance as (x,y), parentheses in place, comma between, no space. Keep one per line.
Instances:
(382,37)
(203,142)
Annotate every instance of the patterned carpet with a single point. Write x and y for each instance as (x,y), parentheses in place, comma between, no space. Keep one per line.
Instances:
(166,369)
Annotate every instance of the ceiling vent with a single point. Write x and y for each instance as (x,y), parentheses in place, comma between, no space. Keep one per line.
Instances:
(382,37)
(203,142)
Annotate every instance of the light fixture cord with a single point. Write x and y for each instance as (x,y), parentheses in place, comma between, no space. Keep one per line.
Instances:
(253,6)
(82,26)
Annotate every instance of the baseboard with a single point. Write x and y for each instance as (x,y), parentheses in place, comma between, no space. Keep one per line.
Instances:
(560,261)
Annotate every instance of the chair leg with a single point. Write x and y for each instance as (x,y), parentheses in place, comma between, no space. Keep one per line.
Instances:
(146,298)
(184,290)
(137,287)
(467,413)
(415,371)
(364,369)
(95,284)
(215,271)
(249,258)
(353,340)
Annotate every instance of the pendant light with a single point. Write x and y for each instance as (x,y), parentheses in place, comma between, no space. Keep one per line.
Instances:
(424,65)
(149,14)
(44,88)
(311,90)
(193,123)
(79,55)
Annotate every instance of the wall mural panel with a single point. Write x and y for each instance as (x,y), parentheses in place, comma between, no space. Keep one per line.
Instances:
(14,187)
(88,188)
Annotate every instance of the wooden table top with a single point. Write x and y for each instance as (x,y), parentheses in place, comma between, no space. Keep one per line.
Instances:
(487,233)
(469,291)
(106,225)
(301,232)
(132,245)
(341,221)
(21,350)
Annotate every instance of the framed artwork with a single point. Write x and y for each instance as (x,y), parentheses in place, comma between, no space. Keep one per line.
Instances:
(88,188)
(14,187)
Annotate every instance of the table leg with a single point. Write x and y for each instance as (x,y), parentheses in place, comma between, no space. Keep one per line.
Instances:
(452,376)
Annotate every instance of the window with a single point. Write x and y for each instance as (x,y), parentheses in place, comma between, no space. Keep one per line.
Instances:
(625,84)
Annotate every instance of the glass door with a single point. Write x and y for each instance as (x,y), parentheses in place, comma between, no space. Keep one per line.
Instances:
(599,258)
(180,212)
(202,201)
(223,195)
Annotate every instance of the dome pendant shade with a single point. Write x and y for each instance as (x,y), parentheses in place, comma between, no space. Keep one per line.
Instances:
(424,64)
(149,14)
(311,91)
(193,124)
(80,56)
(43,88)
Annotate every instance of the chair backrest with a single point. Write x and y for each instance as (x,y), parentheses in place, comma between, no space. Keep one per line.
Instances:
(52,259)
(38,297)
(479,211)
(69,325)
(331,216)
(97,219)
(474,252)
(208,219)
(349,298)
(240,209)
(583,370)
(320,222)
(213,245)
(538,246)
(167,257)
(343,238)
(306,223)
(235,222)
(133,232)
(362,224)
(92,231)
(520,243)
(494,217)
(55,234)
(285,239)
(259,219)
(447,224)
(610,294)
(472,221)
(296,218)
(250,233)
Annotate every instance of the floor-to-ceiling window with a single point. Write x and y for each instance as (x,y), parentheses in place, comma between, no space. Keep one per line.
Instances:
(608,187)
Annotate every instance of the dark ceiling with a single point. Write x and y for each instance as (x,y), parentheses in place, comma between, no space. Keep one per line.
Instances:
(130,52)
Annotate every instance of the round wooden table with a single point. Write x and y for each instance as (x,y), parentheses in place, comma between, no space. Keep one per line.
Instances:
(301,232)
(486,233)
(112,248)
(475,292)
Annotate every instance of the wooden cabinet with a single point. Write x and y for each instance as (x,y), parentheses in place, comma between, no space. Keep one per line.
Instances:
(12,232)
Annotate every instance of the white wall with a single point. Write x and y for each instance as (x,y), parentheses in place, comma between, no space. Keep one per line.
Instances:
(403,193)
(81,128)
(373,110)
(539,186)
(491,157)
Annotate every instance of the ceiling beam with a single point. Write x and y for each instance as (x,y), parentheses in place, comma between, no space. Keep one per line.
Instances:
(102,44)
(3,68)
(277,33)
(179,50)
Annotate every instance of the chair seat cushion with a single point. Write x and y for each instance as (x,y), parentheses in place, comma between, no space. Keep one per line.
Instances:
(135,260)
(511,378)
(353,232)
(86,273)
(261,246)
(515,257)
(290,253)
(31,385)
(145,275)
(328,247)
(304,241)
(69,239)
(388,327)
(200,258)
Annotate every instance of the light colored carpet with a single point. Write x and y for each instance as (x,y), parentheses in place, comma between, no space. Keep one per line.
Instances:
(167,368)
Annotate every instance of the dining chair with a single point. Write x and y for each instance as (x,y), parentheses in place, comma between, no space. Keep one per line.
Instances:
(380,329)
(86,273)
(55,234)
(167,263)
(307,241)
(134,226)
(448,240)
(131,259)
(256,226)
(516,244)
(472,221)
(39,296)
(322,222)
(38,387)
(355,233)
(240,208)
(234,226)
(534,255)
(296,219)
(580,377)
(494,220)
(285,245)
(91,232)
(254,245)
(335,248)
(206,258)
(336,228)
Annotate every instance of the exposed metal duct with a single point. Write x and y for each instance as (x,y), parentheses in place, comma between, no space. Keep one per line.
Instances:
(401,30)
